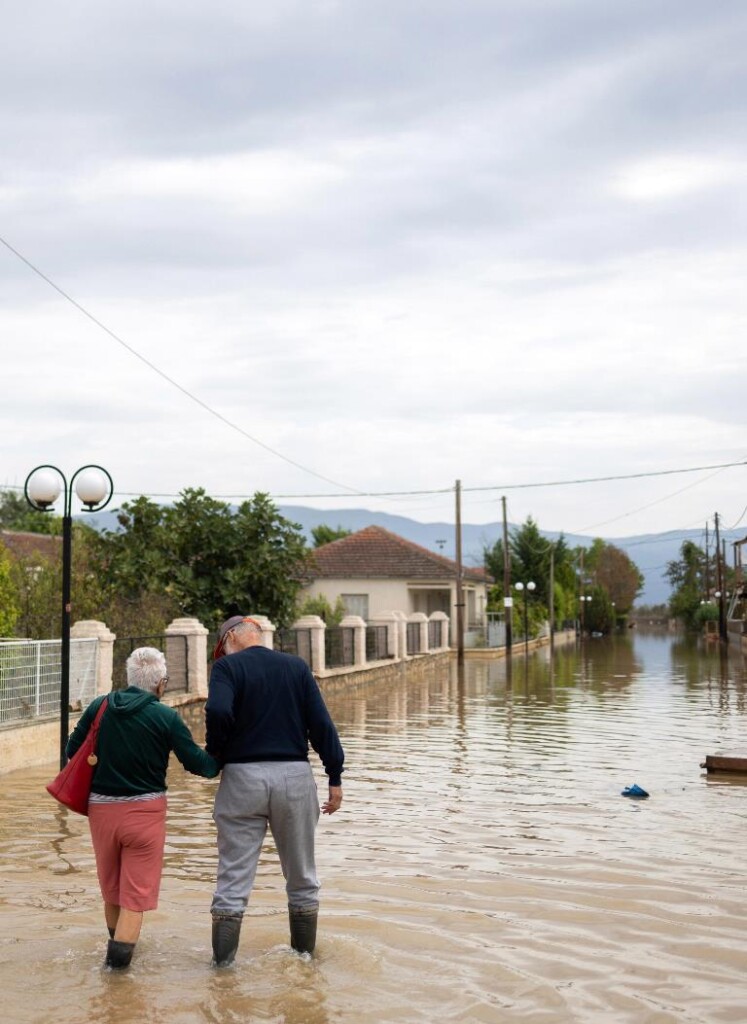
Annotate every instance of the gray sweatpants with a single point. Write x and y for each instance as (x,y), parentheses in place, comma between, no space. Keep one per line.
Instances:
(281,794)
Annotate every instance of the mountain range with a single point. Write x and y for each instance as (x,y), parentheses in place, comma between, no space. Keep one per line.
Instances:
(651,552)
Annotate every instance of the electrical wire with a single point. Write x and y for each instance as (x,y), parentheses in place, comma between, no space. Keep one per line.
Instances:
(170,380)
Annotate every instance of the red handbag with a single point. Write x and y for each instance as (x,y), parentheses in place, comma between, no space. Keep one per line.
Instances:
(72,786)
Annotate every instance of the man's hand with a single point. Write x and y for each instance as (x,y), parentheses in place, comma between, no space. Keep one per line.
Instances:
(335,799)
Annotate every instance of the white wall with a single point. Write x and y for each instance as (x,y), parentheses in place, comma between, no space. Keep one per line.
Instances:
(387,595)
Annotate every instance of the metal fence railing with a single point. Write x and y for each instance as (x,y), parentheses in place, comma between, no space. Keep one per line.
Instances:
(30,673)
(339,646)
(177,659)
(413,638)
(434,635)
(377,643)
(294,641)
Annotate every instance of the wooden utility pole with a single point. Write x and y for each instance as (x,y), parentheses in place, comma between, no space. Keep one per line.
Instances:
(507,600)
(707,594)
(459,580)
(722,631)
(551,596)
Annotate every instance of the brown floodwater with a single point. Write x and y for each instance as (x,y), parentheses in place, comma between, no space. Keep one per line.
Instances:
(484,866)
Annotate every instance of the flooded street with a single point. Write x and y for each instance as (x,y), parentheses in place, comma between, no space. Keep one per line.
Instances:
(484,866)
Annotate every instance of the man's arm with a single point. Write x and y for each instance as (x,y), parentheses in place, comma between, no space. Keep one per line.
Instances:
(219,717)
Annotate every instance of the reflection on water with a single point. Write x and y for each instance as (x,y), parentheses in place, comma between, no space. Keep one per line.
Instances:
(484,866)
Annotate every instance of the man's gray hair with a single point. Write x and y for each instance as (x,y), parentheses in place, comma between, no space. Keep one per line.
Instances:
(248,626)
(146,667)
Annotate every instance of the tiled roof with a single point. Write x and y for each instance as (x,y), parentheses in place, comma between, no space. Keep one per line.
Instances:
(375,553)
(31,545)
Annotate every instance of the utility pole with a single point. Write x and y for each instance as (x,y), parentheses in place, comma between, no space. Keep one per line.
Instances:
(707,594)
(551,596)
(722,632)
(507,599)
(459,583)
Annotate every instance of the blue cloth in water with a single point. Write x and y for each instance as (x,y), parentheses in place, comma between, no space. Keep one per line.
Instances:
(636,791)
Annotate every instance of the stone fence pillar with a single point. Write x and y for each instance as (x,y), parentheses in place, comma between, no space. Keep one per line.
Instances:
(315,624)
(268,630)
(186,653)
(401,620)
(90,629)
(422,620)
(443,632)
(388,619)
(358,625)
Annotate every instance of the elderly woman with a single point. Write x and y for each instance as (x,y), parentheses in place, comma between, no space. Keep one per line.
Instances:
(127,808)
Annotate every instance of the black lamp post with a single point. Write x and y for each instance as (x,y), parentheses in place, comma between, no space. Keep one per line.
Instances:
(583,599)
(526,589)
(43,487)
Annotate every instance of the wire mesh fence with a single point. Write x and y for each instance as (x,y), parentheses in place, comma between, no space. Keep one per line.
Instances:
(413,638)
(30,673)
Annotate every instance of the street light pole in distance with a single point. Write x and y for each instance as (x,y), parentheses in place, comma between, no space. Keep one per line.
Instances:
(43,486)
(526,589)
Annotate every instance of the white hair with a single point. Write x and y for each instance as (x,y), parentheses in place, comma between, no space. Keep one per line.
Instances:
(146,667)
(247,627)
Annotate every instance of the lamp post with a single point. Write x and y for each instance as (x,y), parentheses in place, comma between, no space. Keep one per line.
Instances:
(526,589)
(94,488)
(584,599)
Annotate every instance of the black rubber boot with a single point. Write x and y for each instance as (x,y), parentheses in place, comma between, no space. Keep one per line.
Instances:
(303,928)
(226,930)
(119,954)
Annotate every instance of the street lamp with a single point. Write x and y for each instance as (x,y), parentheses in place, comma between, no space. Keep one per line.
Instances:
(526,589)
(43,486)
(584,599)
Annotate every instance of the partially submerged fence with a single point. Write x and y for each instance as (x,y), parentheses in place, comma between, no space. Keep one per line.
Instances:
(30,673)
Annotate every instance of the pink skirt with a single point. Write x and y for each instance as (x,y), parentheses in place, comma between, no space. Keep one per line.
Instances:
(128,841)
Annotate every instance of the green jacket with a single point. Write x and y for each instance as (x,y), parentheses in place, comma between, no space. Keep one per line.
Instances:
(136,736)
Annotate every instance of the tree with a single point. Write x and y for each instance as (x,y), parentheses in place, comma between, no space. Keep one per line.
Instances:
(9,607)
(613,571)
(210,560)
(324,534)
(16,514)
(686,576)
(319,605)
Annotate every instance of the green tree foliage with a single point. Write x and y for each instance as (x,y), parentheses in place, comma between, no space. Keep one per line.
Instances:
(9,606)
(16,514)
(38,585)
(324,534)
(615,573)
(686,576)
(208,559)
(320,606)
(599,613)
(531,554)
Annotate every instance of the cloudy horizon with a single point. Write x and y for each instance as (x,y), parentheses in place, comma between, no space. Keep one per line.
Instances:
(397,245)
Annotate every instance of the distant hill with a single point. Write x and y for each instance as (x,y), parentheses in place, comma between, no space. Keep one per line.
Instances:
(650,552)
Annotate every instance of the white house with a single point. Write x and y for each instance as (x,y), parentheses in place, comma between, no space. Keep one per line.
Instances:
(375,571)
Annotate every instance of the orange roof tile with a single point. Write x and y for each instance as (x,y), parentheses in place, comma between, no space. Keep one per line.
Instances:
(376,553)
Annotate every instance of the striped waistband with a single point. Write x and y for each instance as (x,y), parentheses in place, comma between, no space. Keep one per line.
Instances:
(101,798)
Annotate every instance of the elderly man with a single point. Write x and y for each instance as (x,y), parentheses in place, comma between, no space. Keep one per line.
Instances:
(263,710)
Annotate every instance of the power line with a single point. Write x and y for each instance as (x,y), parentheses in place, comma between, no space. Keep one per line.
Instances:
(170,380)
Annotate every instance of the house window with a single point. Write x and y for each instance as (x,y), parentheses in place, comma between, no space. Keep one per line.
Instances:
(356,604)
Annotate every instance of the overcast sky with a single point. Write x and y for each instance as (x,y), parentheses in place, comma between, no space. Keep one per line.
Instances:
(397,243)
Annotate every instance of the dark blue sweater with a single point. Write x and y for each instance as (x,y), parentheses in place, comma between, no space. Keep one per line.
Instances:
(264,705)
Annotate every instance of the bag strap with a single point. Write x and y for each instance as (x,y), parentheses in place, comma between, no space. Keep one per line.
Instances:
(97,722)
